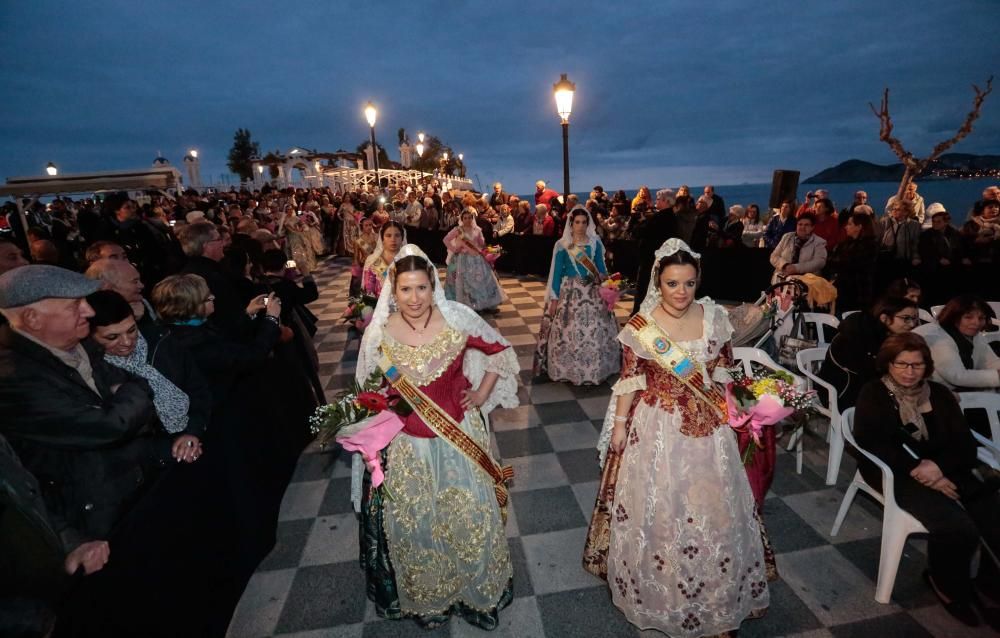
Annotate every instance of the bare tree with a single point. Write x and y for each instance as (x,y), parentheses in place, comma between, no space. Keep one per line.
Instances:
(914,166)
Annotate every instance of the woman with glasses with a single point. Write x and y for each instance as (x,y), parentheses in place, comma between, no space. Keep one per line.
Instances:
(963,360)
(850,360)
(916,427)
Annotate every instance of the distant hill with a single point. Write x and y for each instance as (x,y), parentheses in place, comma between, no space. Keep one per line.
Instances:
(948,166)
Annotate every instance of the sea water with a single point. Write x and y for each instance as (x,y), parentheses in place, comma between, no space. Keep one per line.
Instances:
(957,195)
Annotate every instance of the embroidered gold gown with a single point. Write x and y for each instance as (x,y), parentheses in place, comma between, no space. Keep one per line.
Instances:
(442,547)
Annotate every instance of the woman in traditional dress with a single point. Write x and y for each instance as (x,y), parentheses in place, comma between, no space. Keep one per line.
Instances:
(348,228)
(674,530)
(391,237)
(298,243)
(577,340)
(436,545)
(470,278)
(364,247)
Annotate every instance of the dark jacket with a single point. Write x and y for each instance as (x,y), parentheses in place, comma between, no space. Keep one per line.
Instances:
(92,453)
(145,246)
(934,246)
(223,360)
(851,266)
(850,360)
(178,365)
(878,429)
(230,306)
(31,563)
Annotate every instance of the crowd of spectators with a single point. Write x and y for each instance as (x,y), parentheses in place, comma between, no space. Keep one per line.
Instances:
(157,366)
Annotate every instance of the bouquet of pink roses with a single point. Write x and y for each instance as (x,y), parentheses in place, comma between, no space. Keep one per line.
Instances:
(763,400)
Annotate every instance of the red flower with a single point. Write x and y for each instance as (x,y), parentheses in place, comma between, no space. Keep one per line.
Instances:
(616,276)
(372,401)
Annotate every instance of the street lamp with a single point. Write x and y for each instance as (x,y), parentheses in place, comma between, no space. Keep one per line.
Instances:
(51,169)
(370,115)
(420,137)
(420,148)
(563,91)
(193,153)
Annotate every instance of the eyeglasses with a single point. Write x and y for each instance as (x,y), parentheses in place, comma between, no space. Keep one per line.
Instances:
(911,319)
(902,365)
(209,298)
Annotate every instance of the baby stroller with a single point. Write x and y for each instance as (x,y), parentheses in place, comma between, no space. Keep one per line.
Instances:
(775,323)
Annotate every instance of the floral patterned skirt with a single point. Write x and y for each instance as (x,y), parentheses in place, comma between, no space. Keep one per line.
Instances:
(579,343)
(471,281)
(436,545)
(676,531)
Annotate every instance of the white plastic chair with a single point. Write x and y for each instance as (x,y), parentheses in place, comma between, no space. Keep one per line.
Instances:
(990,337)
(818,320)
(847,313)
(935,310)
(925,317)
(809,361)
(989,448)
(897,523)
(749,356)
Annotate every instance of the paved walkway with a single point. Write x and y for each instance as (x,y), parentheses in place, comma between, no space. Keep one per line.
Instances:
(312,586)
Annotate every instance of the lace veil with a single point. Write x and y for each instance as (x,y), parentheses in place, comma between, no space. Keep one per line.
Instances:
(474,365)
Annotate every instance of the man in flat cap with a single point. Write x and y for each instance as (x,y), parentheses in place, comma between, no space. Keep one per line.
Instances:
(80,425)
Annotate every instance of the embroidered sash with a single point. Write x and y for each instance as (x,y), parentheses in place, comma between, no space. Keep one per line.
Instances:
(673,359)
(580,257)
(445,427)
(472,245)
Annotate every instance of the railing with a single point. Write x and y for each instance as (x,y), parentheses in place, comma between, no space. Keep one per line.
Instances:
(342,179)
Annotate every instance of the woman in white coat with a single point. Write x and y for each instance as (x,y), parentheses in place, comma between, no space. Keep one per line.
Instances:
(963,360)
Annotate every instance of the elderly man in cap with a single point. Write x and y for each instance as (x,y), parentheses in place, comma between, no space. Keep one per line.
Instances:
(80,425)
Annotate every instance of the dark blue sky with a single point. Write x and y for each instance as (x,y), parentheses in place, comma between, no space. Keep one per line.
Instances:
(667,92)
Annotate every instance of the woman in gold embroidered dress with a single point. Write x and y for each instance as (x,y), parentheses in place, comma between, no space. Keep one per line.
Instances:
(674,531)
(436,545)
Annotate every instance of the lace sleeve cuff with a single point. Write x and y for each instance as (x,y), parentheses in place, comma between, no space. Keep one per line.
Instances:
(504,363)
(631,384)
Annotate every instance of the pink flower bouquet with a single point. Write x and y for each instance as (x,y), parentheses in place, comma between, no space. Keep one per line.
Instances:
(754,403)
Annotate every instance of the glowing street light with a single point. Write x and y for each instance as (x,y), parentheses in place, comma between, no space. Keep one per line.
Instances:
(51,169)
(420,148)
(371,114)
(193,153)
(563,91)
(420,137)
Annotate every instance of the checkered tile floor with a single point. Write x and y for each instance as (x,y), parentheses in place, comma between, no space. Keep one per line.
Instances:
(311,584)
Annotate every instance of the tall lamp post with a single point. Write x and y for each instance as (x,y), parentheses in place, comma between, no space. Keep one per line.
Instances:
(370,115)
(563,90)
(51,169)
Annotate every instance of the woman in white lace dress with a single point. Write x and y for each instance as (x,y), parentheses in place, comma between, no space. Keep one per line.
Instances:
(674,529)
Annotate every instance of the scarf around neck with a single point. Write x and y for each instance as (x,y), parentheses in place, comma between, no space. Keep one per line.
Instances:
(964,345)
(913,403)
(171,403)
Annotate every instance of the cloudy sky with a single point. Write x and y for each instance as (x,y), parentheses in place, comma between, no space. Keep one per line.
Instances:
(667,91)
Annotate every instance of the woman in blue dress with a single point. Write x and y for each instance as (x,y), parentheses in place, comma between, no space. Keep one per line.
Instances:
(578,337)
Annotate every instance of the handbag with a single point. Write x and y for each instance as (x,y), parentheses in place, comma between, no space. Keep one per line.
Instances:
(795,341)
